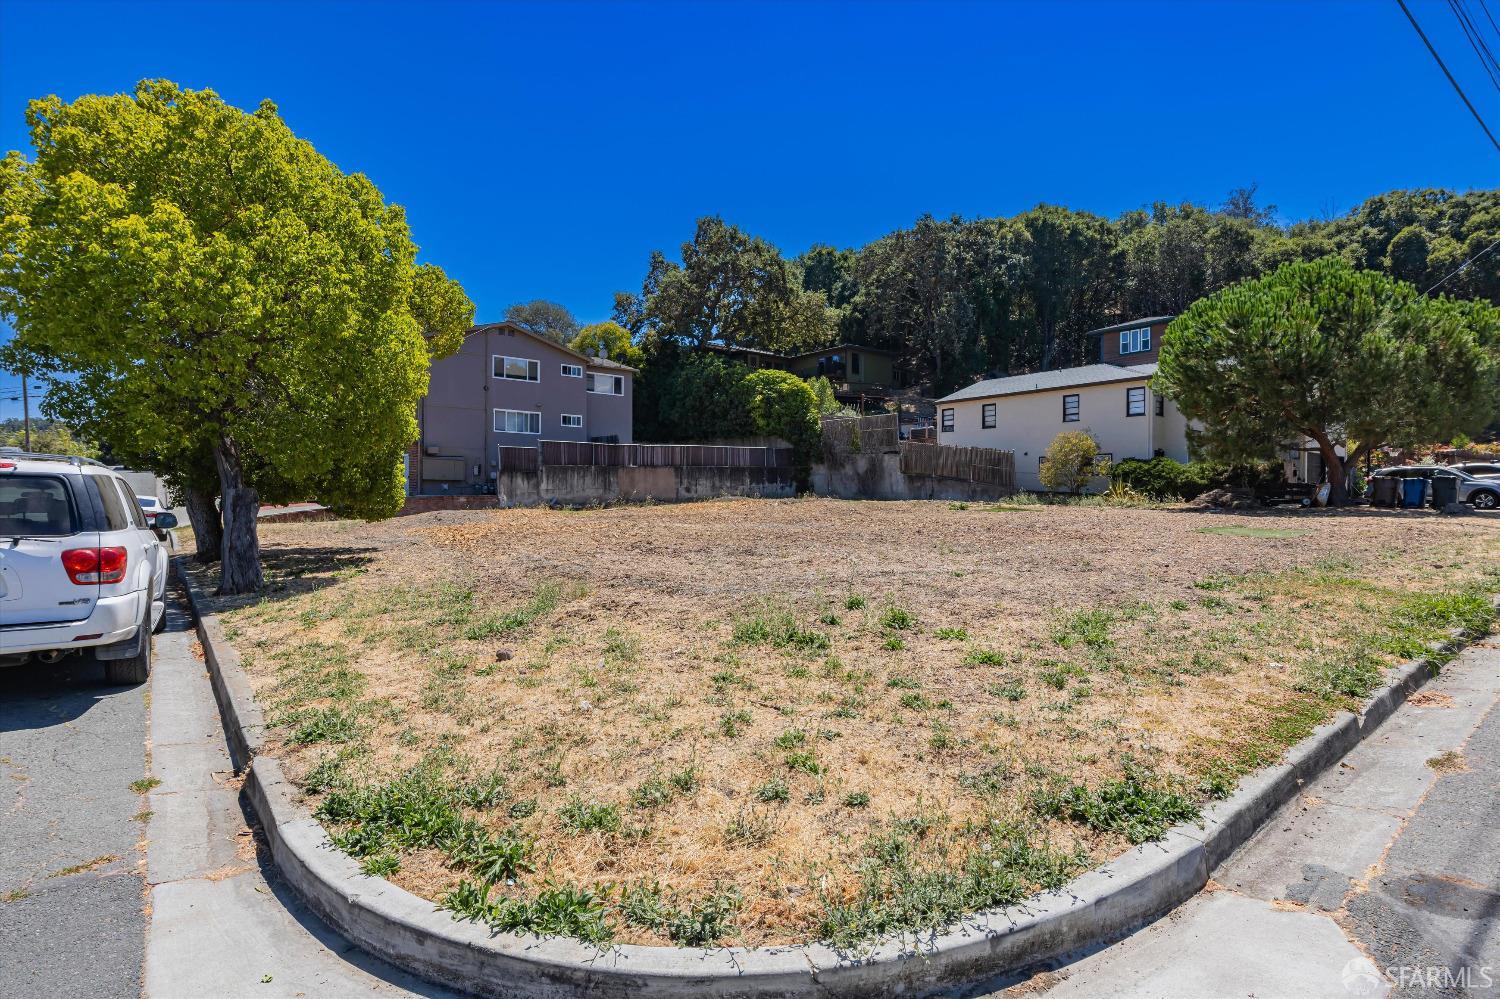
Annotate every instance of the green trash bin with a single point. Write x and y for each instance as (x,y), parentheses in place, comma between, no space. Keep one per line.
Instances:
(1444,490)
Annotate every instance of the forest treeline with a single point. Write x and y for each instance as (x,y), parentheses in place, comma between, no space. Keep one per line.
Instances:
(962,298)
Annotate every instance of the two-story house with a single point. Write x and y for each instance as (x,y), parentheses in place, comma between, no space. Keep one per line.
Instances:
(1111,400)
(509,386)
(854,370)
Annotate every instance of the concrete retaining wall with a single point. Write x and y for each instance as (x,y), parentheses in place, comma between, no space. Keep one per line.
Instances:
(879,477)
(1103,904)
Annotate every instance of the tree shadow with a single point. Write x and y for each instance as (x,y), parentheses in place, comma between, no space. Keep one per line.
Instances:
(289,572)
(1284,513)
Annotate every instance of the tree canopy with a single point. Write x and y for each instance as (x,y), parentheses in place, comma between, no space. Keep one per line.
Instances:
(544,318)
(610,338)
(214,289)
(963,298)
(1351,359)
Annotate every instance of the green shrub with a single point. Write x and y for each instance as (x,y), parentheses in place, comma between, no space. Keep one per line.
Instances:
(1071,460)
(1139,806)
(1163,478)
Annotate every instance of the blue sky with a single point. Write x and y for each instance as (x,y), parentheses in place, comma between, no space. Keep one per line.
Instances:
(543,150)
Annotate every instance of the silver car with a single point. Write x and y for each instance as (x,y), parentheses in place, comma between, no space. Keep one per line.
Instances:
(1483,494)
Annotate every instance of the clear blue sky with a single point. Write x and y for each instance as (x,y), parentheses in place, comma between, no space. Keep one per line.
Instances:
(543,150)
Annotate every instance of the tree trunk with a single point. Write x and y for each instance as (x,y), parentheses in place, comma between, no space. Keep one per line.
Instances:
(239,572)
(1335,469)
(208,525)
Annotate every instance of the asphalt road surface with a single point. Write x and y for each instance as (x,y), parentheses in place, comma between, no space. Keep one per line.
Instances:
(72,914)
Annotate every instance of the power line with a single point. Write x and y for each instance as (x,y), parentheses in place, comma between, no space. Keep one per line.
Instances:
(1444,67)
(1461,267)
(1476,42)
(1486,8)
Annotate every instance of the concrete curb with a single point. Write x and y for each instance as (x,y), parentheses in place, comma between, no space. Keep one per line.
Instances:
(1101,905)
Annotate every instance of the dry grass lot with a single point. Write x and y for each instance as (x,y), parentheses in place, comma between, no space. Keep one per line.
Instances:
(752,722)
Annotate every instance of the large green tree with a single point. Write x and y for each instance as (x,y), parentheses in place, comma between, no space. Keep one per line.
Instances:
(610,339)
(731,288)
(1351,359)
(544,318)
(230,292)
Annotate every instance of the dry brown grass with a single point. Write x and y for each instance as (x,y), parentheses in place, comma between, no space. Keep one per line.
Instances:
(632,675)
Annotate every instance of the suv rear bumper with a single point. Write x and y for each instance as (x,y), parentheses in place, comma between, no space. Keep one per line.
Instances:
(114,619)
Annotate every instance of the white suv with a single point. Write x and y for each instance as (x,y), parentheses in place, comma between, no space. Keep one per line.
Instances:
(80,567)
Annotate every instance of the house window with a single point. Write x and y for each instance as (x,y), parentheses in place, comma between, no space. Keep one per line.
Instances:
(854,364)
(572,420)
(607,384)
(947,421)
(987,416)
(517,421)
(1161,405)
(519,369)
(572,370)
(1135,401)
(1135,341)
(1070,409)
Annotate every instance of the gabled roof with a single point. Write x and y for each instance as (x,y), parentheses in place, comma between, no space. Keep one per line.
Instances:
(1060,378)
(593,362)
(1130,325)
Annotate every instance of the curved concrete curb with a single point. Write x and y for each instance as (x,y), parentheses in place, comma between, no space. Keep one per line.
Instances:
(1102,904)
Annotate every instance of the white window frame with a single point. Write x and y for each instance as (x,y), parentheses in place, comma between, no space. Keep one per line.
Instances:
(572,370)
(1077,408)
(1132,394)
(577,419)
(988,416)
(1137,341)
(499,362)
(532,417)
(617,384)
(947,421)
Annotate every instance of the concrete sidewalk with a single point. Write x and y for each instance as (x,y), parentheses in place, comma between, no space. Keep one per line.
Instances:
(221,923)
(1380,879)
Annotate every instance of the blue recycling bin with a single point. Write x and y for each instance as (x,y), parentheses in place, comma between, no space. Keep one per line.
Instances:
(1413,491)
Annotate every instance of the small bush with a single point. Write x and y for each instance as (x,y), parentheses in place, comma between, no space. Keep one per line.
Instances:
(897,619)
(1072,459)
(774,789)
(984,657)
(854,603)
(1138,806)
(579,816)
(953,634)
(791,738)
(857,799)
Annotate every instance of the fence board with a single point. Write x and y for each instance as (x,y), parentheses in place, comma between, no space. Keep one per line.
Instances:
(861,434)
(527,459)
(974,464)
(658,455)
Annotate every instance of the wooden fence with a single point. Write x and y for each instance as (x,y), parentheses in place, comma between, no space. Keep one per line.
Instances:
(643,455)
(526,459)
(972,464)
(861,434)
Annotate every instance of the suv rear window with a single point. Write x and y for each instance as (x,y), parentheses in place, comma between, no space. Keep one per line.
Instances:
(35,506)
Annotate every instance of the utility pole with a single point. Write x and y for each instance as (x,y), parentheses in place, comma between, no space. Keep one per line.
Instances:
(25,412)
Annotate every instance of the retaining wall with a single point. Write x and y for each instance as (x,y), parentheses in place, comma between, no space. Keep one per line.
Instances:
(879,477)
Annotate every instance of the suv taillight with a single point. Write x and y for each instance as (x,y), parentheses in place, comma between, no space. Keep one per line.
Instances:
(94,565)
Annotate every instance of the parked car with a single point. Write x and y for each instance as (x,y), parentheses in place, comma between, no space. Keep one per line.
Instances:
(80,566)
(1484,494)
(1483,469)
(150,506)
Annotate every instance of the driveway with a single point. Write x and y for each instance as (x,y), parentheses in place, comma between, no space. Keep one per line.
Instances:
(72,913)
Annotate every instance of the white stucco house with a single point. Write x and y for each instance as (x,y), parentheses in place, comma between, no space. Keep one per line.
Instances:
(1112,401)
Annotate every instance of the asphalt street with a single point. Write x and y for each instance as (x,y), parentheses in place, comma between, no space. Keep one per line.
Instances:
(72,912)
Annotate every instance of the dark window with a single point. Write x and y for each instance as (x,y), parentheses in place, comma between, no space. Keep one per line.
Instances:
(947,421)
(1161,406)
(1135,402)
(854,363)
(1070,409)
(116,516)
(137,516)
(987,416)
(35,506)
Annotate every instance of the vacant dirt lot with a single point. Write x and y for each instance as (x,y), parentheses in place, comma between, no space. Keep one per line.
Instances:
(759,721)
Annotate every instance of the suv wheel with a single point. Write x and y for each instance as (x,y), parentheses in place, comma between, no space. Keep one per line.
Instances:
(1485,500)
(137,668)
